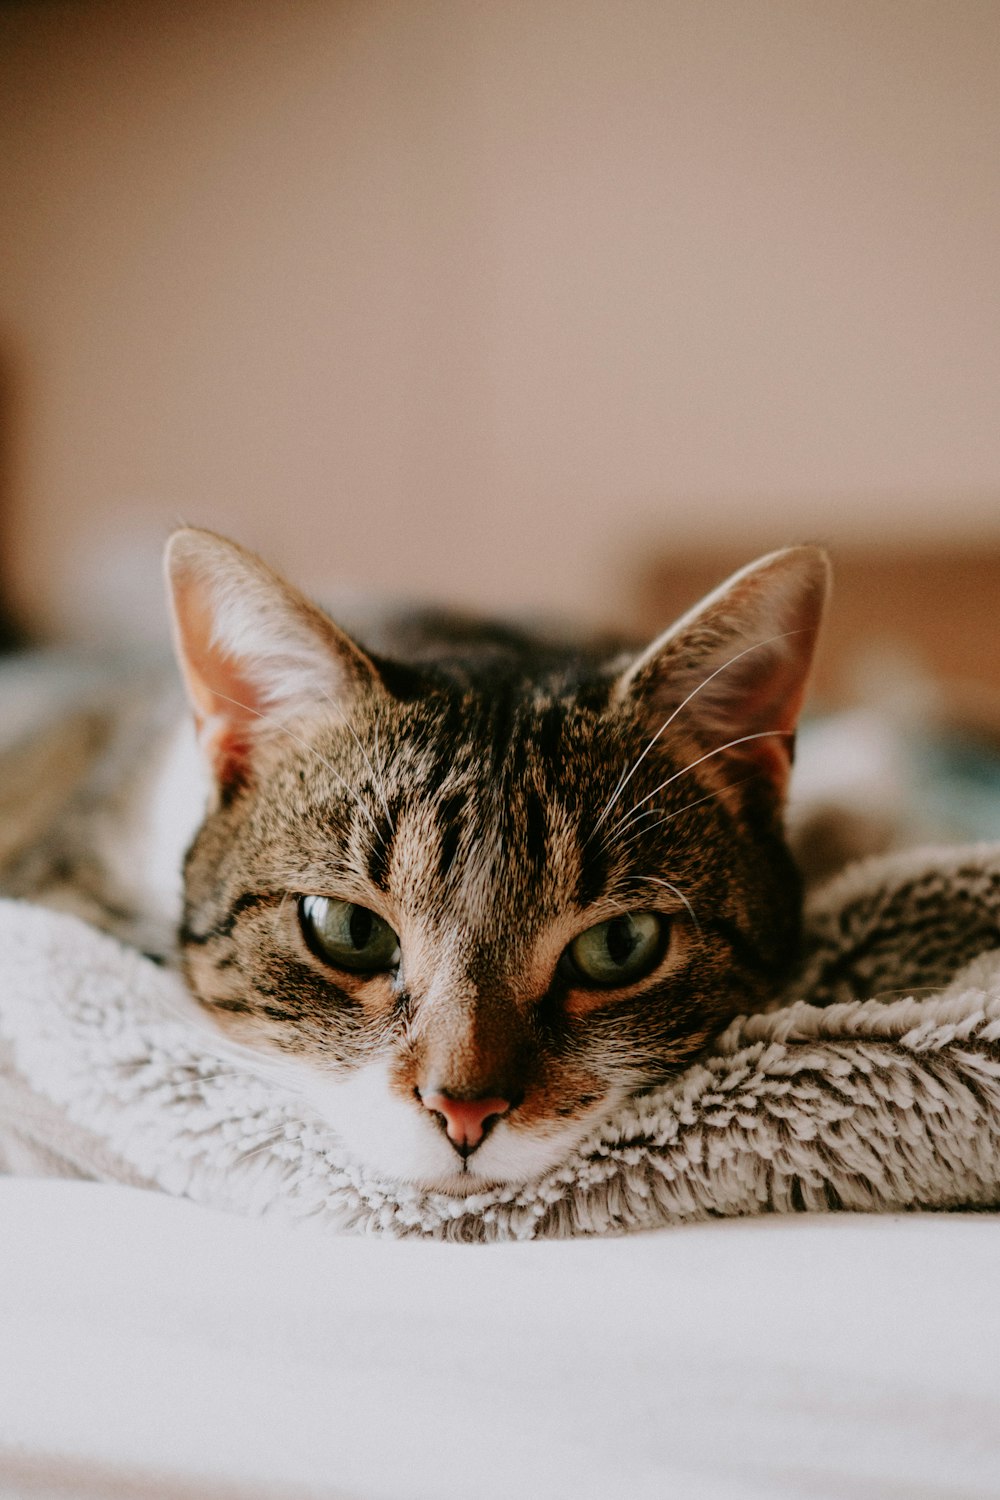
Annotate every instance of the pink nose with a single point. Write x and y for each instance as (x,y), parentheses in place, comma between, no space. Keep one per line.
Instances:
(465,1118)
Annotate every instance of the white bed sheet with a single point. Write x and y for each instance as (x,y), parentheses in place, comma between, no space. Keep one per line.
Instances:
(153,1348)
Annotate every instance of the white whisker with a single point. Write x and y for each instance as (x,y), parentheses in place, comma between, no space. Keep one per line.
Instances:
(627,777)
(764,734)
(654,880)
(376,779)
(221,1049)
(380,782)
(278,912)
(199,1078)
(608,846)
(276,724)
(265,1145)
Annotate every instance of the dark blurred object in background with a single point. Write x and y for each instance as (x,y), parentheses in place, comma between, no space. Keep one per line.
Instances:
(10,636)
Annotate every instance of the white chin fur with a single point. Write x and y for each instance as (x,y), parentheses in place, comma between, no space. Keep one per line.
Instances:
(404,1141)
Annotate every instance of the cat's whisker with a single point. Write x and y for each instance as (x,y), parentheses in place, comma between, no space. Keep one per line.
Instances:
(380,783)
(612,844)
(627,776)
(265,1145)
(743,739)
(908,989)
(220,1047)
(195,1078)
(274,723)
(377,782)
(620,848)
(278,914)
(674,891)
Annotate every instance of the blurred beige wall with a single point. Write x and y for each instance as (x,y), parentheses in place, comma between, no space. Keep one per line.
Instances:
(491,300)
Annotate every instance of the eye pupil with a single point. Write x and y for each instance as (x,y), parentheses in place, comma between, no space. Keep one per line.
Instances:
(621,939)
(618,951)
(361,923)
(347,936)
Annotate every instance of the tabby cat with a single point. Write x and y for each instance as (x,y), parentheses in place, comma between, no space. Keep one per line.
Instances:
(470,888)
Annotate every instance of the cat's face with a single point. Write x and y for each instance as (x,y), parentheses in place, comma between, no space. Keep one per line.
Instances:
(475,901)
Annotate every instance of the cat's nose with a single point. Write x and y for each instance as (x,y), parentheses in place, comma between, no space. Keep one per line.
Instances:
(465,1119)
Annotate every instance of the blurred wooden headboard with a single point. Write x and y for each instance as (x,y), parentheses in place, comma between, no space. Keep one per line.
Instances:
(941,607)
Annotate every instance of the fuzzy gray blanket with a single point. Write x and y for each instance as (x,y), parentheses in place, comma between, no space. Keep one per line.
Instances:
(874,1084)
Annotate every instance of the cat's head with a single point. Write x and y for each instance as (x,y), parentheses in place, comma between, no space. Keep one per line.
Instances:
(477,897)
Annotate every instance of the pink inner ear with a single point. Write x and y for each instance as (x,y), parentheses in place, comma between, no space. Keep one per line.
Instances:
(770,698)
(736,668)
(225,700)
(760,705)
(773,755)
(252,650)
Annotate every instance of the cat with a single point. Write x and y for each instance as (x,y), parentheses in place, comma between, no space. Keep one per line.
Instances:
(469,888)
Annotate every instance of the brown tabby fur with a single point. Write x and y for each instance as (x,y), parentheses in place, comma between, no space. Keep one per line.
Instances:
(490,797)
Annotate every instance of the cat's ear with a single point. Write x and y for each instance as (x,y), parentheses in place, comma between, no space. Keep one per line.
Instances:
(253,651)
(735,668)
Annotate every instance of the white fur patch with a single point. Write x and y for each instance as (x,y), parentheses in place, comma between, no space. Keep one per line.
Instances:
(174,814)
(144,842)
(406,1142)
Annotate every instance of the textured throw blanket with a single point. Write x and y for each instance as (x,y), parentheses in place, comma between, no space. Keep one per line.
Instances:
(875,1084)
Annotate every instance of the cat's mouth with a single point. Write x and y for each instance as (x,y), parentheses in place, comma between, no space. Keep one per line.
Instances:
(458,1147)
(467,1123)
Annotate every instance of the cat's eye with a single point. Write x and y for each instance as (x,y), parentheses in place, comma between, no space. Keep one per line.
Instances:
(348,936)
(618,951)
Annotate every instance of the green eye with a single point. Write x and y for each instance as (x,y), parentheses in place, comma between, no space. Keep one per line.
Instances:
(618,951)
(348,936)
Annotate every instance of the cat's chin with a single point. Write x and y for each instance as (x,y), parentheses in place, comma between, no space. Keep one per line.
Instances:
(401,1142)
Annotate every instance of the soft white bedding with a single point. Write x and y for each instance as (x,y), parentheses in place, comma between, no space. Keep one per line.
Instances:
(875,1085)
(155,1348)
